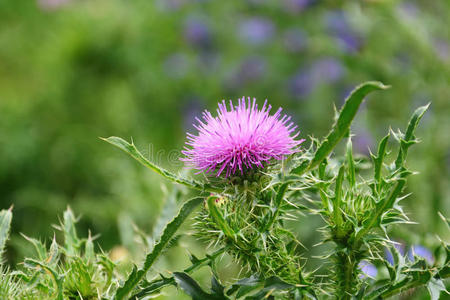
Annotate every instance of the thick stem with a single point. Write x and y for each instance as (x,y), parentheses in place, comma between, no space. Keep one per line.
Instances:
(346,274)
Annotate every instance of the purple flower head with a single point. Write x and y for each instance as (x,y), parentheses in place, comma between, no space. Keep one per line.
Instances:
(239,138)
(256,31)
(422,252)
(367,269)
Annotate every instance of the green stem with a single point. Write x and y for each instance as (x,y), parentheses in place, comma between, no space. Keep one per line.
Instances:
(134,152)
(346,275)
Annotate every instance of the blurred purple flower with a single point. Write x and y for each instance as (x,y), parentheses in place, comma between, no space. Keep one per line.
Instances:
(368,270)
(256,30)
(363,141)
(400,248)
(327,69)
(301,84)
(191,109)
(197,32)
(442,49)
(408,9)
(339,27)
(250,69)
(256,2)
(176,65)
(296,6)
(295,40)
(422,252)
(51,4)
(403,61)
(170,5)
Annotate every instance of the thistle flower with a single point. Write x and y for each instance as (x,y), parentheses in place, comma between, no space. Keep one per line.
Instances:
(239,138)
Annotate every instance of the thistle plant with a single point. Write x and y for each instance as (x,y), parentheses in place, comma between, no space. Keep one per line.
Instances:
(258,178)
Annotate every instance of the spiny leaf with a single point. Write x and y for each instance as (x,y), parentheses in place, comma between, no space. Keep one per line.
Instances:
(71,241)
(134,152)
(409,138)
(192,288)
(350,164)
(169,209)
(378,160)
(57,279)
(435,287)
(149,288)
(218,218)
(137,275)
(342,125)
(337,197)
(5,226)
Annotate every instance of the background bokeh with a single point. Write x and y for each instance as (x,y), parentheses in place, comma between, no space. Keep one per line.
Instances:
(72,71)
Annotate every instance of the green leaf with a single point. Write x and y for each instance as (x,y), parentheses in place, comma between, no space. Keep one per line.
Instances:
(153,287)
(137,275)
(169,209)
(244,286)
(192,288)
(5,226)
(409,138)
(40,248)
(216,287)
(337,197)
(218,218)
(435,287)
(350,164)
(252,283)
(271,285)
(342,125)
(378,160)
(71,241)
(58,279)
(134,152)
(53,253)
(381,207)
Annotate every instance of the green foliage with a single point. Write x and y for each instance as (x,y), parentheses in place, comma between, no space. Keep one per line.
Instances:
(69,271)
(248,219)
(132,150)
(5,225)
(137,275)
(342,125)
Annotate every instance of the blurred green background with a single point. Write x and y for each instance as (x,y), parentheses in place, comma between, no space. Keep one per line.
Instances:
(72,71)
